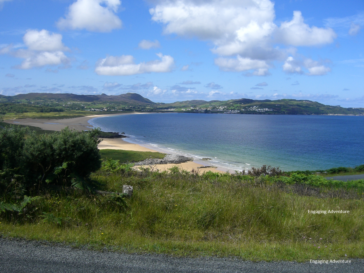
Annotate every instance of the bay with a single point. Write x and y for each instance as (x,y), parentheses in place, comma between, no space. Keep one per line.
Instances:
(240,142)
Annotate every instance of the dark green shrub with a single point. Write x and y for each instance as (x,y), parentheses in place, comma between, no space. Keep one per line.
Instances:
(338,170)
(359,168)
(272,171)
(61,159)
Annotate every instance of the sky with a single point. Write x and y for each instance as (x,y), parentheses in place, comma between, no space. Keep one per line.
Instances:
(179,50)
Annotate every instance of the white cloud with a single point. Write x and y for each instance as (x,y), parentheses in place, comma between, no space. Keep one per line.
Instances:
(213,93)
(235,27)
(93,15)
(185,67)
(241,28)
(314,68)
(4,49)
(242,64)
(292,66)
(43,48)
(297,33)
(251,40)
(124,65)
(345,22)
(156,91)
(38,59)
(354,29)
(145,44)
(43,41)
(210,20)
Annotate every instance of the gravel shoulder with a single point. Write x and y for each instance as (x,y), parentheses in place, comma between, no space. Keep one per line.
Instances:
(32,256)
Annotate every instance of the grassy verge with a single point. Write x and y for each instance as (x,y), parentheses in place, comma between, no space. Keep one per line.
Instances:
(128,156)
(255,218)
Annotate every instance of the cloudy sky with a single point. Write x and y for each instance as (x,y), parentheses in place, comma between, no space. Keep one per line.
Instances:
(173,50)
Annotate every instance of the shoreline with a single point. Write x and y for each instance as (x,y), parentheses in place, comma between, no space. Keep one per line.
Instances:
(82,124)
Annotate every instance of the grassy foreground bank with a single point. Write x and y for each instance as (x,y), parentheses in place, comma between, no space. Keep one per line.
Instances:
(255,218)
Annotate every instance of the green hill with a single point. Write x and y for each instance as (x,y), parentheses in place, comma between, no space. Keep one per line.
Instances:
(49,102)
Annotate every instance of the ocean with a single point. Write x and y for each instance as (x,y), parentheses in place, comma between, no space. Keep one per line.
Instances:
(239,142)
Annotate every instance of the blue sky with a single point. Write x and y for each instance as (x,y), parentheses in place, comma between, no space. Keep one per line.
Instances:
(187,49)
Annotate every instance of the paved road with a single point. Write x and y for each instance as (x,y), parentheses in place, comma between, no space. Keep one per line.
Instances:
(22,256)
(346,178)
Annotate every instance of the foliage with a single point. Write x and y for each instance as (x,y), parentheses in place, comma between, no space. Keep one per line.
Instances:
(114,202)
(23,108)
(189,214)
(264,170)
(339,170)
(58,159)
(319,181)
(359,168)
(26,210)
(49,218)
(129,156)
(110,165)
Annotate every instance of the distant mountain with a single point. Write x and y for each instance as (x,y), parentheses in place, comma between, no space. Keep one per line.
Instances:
(129,98)
(187,103)
(136,102)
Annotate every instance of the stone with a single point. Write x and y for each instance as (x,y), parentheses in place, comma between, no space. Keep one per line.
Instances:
(128,190)
(175,159)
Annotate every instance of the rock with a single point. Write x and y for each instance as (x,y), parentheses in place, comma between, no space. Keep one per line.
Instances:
(175,159)
(128,190)
(206,158)
(202,167)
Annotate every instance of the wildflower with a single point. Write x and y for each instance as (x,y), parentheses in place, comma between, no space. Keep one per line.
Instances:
(102,233)
(310,238)
(346,255)
(320,238)
(318,247)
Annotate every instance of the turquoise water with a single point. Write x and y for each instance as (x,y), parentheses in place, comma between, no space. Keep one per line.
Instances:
(243,141)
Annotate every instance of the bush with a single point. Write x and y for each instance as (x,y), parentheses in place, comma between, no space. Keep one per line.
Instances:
(265,171)
(338,170)
(359,168)
(61,159)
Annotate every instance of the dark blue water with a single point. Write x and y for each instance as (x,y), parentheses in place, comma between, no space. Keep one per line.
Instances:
(243,141)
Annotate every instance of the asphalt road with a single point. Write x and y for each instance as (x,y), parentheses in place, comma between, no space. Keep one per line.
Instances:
(346,178)
(24,256)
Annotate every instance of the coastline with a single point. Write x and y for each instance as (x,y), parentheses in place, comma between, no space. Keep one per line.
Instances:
(82,124)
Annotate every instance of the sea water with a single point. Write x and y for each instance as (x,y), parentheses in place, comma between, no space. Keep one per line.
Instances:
(239,142)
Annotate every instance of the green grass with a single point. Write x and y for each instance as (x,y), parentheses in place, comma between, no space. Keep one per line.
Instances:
(128,156)
(200,215)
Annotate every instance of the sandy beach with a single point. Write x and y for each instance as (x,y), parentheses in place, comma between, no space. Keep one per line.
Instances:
(81,124)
